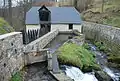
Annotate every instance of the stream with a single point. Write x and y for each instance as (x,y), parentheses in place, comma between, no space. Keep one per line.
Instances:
(101,59)
(74,72)
(38,71)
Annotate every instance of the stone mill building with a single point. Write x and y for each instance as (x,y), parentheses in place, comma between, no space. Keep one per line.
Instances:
(50,18)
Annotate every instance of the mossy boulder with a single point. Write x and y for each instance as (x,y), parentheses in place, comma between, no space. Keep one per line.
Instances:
(114,59)
(86,46)
(114,65)
(73,54)
(79,40)
(102,76)
(76,32)
(101,46)
(5,27)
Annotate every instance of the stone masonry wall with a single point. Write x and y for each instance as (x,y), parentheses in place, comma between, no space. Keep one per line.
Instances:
(41,42)
(107,34)
(11,55)
(14,55)
(38,45)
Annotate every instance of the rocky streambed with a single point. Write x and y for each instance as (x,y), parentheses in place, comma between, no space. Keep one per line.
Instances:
(102,60)
(106,74)
(38,72)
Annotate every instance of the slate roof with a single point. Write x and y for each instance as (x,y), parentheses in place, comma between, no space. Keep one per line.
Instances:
(59,15)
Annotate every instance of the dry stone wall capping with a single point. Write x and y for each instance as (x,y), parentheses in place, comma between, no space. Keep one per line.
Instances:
(108,34)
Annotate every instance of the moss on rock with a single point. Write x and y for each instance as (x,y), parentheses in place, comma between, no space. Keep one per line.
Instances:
(86,46)
(101,46)
(76,55)
(114,59)
(5,27)
(17,77)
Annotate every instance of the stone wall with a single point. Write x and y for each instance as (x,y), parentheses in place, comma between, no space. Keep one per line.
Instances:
(107,34)
(11,55)
(35,52)
(65,27)
(41,42)
(14,55)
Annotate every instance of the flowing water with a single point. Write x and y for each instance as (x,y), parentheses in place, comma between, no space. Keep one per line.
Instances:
(77,75)
(101,59)
(58,41)
(73,72)
(38,72)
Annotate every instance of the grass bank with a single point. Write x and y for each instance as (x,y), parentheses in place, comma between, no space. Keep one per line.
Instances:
(72,54)
(109,16)
(17,77)
(5,27)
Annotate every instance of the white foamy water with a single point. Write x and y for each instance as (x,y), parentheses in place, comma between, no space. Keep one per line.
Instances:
(114,76)
(78,75)
(102,60)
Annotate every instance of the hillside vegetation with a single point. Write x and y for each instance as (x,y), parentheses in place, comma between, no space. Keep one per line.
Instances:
(109,16)
(5,27)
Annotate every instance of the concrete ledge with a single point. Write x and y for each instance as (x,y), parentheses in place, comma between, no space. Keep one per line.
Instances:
(35,56)
(37,50)
(65,32)
(9,34)
(61,76)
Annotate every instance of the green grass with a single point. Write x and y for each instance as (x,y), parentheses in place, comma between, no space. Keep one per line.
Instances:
(5,27)
(75,55)
(86,46)
(113,21)
(17,77)
(110,15)
(101,47)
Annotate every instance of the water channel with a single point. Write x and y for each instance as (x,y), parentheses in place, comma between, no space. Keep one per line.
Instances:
(38,72)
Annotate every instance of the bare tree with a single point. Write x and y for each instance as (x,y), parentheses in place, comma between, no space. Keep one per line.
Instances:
(3,9)
(15,13)
(10,11)
(103,1)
